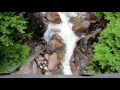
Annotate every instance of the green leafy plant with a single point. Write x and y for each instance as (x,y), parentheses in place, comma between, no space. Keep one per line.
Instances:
(98,14)
(13,55)
(13,50)
(106,58)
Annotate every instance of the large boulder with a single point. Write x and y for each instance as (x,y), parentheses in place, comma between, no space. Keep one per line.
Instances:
(37,23)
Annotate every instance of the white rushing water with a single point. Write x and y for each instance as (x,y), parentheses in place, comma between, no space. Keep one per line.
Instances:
(68,36)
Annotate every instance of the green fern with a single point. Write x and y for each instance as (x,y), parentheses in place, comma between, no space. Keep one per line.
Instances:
(106,56)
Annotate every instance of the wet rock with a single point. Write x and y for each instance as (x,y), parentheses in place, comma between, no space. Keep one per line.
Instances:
(35,68)
(55,31)
(81,59)
(36,23)
(42,63)
(58,37)
(81,28)
(53,62)
(53,16)
(71,14)
(90,50)
(46,56)
(37,49)
(73,66)
(60,54)
(75,20)
(41,58)
(25,69)
(56,52)
(46,69)
(48,73)
(53,45)
(102,23)
(84,16)
(88,16)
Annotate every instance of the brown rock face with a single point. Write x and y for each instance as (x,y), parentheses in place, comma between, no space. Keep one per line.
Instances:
(88,16)
(74,20)
(36,23)
(58,37)
(76,27)
(54,44)
(81,60)
(60,54)
(46,56)
(84,25)
(41,58)
(35,68)
(73,66)
(48,73)
(55,51)
(81,28)
(53,16)
(53,62)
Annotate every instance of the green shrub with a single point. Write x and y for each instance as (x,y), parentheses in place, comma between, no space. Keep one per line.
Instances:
(13,55)
(98,14)
(106,58)
(13,51)
(12,26)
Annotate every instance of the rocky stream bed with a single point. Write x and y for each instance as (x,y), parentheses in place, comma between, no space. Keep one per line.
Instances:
(45,57)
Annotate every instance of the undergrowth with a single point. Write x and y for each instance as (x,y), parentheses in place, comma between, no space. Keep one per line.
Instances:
(106,57)
(13,50)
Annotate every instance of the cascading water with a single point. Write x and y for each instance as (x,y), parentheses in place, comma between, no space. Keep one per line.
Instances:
(70,40)
(68,36)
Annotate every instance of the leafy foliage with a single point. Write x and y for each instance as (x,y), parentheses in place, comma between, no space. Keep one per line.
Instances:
(13,51)
(13,55)
(98,14)
(106,56)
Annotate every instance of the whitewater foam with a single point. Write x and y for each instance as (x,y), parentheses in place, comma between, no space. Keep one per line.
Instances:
(68,36)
